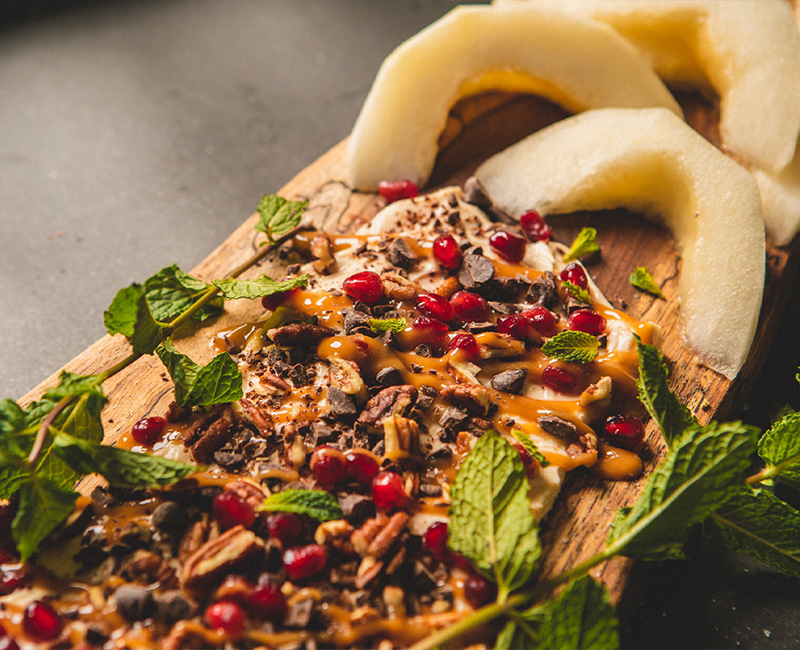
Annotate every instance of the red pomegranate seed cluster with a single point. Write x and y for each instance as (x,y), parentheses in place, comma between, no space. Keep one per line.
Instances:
(508,245)
(447,252)
(396,190)
(534,227)
(469,306)
(231,510)
(574,273)
(147,431)
(435,306)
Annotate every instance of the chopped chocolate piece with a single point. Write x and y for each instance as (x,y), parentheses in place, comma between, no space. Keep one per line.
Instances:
(134,603)
(557,426)
(172,606)
(90,556)
(380,448)
(135,535)
(423,350)
(544,291)
(298,375)
(476,271)
(356,508)
(510,289)
(503,307)
(95,636)
(422,581)
(299,333)
(319,433)
(389,340)
(509,381)
(394,400)
(101,497)
(430,489)
(171,518)
(479,328)
(426,396)
(400,254)
(342,404)
(353,319)
(274,355)
(452,419)
(293,269)
(389,376)
(454,218)
(230,460)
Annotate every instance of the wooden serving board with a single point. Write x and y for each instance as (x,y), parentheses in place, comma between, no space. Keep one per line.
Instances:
(478,127)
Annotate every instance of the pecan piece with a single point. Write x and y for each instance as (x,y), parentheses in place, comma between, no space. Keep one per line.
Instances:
(396,287)
(472,397)
(499,346)
(258,416)
(384,540)
(322,252)
(247,489)
(234,549)
(557,426)
(213,437)
(362,537)
(193,539)
(394,400)
(299,333)
(401,437)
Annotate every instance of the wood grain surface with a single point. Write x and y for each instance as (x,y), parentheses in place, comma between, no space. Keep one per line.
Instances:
(477,128)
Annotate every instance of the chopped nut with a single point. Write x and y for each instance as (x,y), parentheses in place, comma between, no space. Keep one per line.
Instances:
(299,333)
(394,599)
(218,558)
(394,400)
(401,437)
(557,426)
(472,397)
(344,374)
(597,392)
(400,254)
(193,539)
(248,489)
(447,288)
(322,252)
(361,538)
(368,570)
(396,287)
(258,416)
(499,346)
(383,541)
(333,529)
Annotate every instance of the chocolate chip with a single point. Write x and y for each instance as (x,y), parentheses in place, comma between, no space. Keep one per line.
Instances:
(400,254)
(134,603)
(426,396)
(342,404)
(503,307)
(423,350)
(173,606)
(354,319)
(389,376)
(135,535)
(452,419)
(356,508)
(478,328)
(170,517)
(557,426)
(476,270)
(299,614)
(509,381)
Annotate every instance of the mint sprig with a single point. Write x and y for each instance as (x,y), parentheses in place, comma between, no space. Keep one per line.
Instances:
(644,281)
(278,216)
(387,324)
(259,287)
(585,244)
(317,504)
(573,346)
(530,447)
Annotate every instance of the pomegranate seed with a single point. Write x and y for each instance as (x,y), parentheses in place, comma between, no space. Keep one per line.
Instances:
(559,379)
(467,343)
(447,252)
(396,190)
(469,306)
(267,601)
(435,306)
(479,591)
(365,286)
(387,490)
(461,562)
(626,431)
(232,510)
(275,300)
(225,616)
(586,320)
(541,318)
(508,245)
(435,541)
(11,581)
(304,561)
(534,227)
(286,527)
(328,465)
(573,272)
(148,430)
(41,622)
(361,466)
(515,325)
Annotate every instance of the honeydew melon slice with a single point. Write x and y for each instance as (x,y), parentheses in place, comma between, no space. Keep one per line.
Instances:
(653,163)
(747,51)
(577,63)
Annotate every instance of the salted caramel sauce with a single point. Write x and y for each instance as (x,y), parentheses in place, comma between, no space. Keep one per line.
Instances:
(615,464)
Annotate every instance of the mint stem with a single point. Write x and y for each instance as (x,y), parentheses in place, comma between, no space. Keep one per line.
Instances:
(772,471)
(44,427)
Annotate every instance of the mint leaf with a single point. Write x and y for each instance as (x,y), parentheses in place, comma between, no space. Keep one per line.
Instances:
(490,515)
(585,244)
(779,447)
(530,447)
(387,324)
(259,287)
(577,292)
(581,617)
(172,291)
(12,417)
(317,504)
(43,505)
(702,470)
(277,216)
(759,524)
(572,345)
(218,382)
(662,404)
(129,315)
(643,280)
(120,467)
(522,630)
(73,384)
